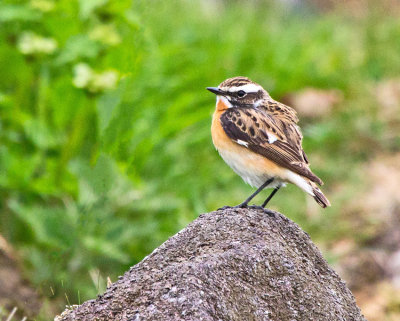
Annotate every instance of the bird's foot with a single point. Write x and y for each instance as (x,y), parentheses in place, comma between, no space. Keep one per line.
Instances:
(256,207)
(242,205)
(265,210)
(269,212)
(224,207)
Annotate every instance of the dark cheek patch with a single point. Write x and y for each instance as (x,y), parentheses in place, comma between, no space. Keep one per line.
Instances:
(246,101)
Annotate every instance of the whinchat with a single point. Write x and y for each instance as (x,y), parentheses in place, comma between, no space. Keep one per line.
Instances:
(258,137)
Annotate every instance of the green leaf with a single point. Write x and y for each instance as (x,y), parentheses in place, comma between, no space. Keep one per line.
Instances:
(88,6)
(78,47)
(102,247)
(41,135)
(106,104)
(10,13)
(101,182)
(51,226)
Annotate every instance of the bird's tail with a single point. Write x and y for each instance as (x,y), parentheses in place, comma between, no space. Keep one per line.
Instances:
(309,187)
(319,196)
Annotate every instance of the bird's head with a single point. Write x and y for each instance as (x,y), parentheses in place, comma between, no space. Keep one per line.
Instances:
(240,92)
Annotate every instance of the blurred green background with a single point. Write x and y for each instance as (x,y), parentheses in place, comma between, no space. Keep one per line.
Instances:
(105,146)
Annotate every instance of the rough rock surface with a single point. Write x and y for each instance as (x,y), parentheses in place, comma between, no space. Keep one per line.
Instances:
(232,264)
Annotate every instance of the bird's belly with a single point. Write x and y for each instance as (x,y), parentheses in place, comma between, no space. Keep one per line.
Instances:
(250,167)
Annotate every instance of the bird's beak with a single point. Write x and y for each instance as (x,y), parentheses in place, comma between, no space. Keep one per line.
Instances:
(216,91)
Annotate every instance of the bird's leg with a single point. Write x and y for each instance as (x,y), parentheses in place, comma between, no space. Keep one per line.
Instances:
(270,196)
(246,202)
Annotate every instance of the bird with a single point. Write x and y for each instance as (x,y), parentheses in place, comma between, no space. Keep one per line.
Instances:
(258,137)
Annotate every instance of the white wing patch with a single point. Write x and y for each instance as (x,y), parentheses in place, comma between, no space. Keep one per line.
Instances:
(272,138)
(242,142)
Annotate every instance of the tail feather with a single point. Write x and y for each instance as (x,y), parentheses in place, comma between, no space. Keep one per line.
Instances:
(320,197)
(309,187)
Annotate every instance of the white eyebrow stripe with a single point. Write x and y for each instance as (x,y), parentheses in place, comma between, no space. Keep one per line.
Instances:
(247,88)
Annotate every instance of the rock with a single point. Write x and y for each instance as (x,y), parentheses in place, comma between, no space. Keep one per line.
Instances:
(232,264)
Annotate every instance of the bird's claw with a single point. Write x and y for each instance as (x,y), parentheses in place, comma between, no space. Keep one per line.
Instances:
(237,206)
(224,207)
(256,207)
(265,210)
(269,212)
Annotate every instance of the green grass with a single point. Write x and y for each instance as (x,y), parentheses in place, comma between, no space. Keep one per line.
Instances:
(94,178)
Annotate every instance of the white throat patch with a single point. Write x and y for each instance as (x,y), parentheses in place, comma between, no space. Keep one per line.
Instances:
(225,101)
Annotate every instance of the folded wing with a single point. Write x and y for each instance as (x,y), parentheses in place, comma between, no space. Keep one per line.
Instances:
(276,139)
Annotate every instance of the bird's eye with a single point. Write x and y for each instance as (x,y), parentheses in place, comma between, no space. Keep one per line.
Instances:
(241,93)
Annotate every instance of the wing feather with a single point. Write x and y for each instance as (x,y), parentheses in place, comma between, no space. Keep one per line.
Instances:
(275,139)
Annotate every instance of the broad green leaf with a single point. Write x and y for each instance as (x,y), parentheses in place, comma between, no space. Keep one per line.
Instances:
(10,13)
(88,6)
